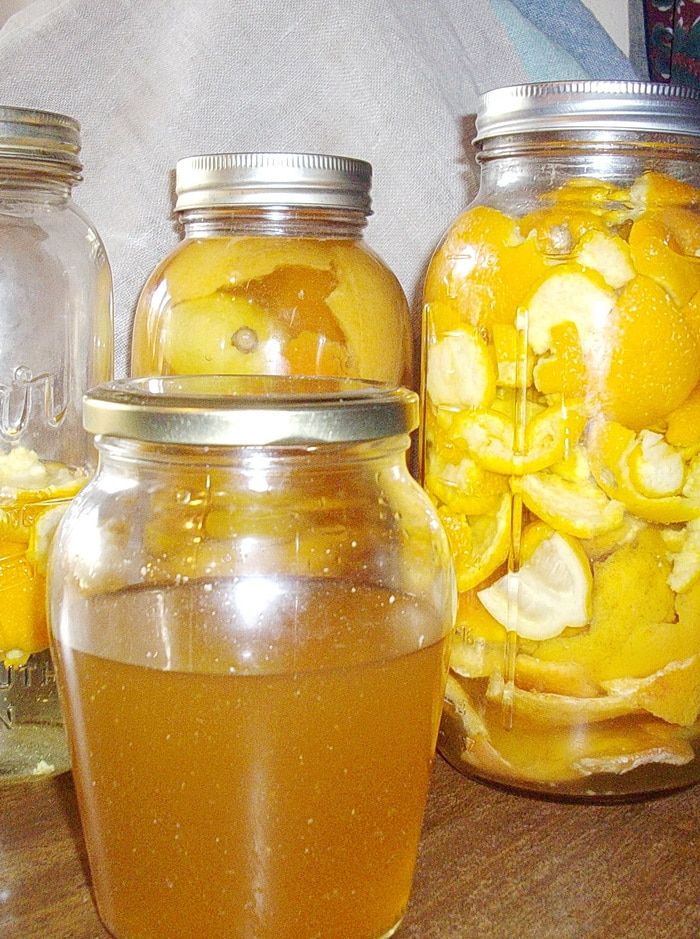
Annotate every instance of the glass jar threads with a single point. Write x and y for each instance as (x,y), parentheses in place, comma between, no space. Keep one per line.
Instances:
(56,326)
(273,275)
(250,609)
(562,433)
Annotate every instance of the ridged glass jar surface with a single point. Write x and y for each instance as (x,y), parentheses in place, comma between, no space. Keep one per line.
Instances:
(274,282)
(562,449)
(251,642)
(56,327)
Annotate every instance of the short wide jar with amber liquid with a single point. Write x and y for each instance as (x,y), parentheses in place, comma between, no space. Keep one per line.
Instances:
(250,610)
(562,441)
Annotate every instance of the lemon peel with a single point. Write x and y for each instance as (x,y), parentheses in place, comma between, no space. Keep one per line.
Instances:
(570,293)
(683,424)
(560,709)
(514,365)
(656,255)
(611,446)
(659,189)
(579,508)
(483,267)
(490,438)
(221,334)
(464,486)
(655,468)
(550,593)
(684,555)
(480,544)
(609,255)
(461,370)
(672,693)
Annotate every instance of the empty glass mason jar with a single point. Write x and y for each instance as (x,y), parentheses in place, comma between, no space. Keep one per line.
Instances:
(562,441)
(273,275)
(56,327)
(250,609)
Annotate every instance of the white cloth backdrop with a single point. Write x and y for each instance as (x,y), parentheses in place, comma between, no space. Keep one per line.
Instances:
(390,81)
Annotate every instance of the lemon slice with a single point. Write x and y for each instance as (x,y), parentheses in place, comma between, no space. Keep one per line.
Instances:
(610,448)
(461,371)
(480,544)
(550,593)
(490,438)
(579,508)
(609,255)
(672,693)
(655,468)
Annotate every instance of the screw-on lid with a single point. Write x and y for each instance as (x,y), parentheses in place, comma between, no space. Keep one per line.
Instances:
(588,105)
(249,410)
(255,179)
(40,136)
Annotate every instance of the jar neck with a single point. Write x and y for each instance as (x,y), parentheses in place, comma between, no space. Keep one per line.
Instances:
(36,181)
(118,454)
(273,220)
(539,161)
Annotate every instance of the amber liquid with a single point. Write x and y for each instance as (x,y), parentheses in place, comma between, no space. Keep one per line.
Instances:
(278,792)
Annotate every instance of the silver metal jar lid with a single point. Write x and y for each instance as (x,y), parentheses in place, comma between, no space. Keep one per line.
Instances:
(255,179)
(588,105)
(249,410)
(26,134)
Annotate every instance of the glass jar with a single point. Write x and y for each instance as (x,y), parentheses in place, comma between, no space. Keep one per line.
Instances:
(562,441)
(56,326)
(250,605)
(273,275)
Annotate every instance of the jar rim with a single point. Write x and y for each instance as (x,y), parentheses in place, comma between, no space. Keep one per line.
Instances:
(614,106)
(249,410)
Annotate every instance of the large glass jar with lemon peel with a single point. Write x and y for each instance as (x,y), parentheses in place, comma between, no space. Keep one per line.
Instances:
(562,441)
(55,322)
(273,275)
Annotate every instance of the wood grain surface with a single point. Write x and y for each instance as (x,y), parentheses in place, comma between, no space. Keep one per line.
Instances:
(492,864)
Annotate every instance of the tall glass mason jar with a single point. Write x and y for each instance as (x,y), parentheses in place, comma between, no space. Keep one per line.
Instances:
(250,606)
(273,275)
(562,441)
(56,327)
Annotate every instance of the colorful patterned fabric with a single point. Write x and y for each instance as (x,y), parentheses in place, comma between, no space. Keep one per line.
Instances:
(673,41)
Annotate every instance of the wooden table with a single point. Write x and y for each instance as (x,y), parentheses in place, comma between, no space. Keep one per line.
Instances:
(492,864)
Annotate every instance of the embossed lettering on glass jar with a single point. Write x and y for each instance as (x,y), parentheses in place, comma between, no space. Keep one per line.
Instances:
(250,608)
(273,275)
(562,441)
(56,326)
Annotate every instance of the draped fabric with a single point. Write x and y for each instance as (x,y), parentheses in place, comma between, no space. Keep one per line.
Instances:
(389,81)
(672,30)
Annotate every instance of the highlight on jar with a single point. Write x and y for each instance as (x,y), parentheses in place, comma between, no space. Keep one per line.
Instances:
(33,497)
(562,449)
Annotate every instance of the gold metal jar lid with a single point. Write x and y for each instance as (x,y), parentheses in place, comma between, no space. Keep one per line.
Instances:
(310,180)
(249,410)
(40,136)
